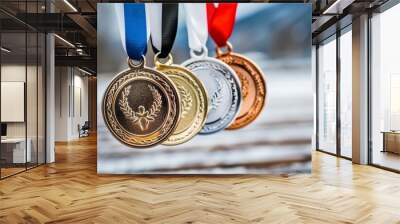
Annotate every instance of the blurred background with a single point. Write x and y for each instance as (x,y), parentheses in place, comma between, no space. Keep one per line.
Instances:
(278,38)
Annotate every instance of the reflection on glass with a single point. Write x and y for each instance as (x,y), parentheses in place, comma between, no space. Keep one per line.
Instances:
(346,94)
(13,85)
(22,93)
(386,89)
(31,97)
(41,98)
(327,96)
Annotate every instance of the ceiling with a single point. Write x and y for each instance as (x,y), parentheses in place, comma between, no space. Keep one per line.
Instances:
(74,22)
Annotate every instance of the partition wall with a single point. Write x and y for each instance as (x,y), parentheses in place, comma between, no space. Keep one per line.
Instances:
(23,88)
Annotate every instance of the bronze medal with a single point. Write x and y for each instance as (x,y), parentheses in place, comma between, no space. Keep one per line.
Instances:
(141,106)
(253,86)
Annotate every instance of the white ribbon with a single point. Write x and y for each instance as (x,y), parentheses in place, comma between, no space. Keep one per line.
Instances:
(155,18)
(119,12)
(196,23)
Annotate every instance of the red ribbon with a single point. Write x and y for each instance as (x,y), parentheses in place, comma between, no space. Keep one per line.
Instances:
(221,20)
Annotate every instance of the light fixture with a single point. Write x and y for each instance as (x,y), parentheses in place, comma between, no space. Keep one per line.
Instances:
(5,50)
(70,5)
(84,71)
(338,6)
(65,41)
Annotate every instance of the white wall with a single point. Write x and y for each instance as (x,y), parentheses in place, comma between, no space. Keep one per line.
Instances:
(15,73)
(33,126)
(71,94)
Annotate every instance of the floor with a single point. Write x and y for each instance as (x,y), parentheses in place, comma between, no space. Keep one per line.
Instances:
(5,172)
(10,171)
(387,159)
(70,191)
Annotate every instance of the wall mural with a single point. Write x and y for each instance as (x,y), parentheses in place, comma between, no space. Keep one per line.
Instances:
(204,88)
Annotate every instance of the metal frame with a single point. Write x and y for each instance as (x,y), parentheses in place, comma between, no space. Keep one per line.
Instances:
(338,98)
(44,74)
(369,77)
(338,152)
(317,97)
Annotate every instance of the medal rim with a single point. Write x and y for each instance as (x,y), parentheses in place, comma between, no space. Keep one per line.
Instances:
(175,118)
(200,92)
(261,89)
(236,83)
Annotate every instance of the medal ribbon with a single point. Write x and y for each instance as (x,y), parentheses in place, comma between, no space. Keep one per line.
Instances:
(163,26)
(221,20)
(133,28)
(196,23)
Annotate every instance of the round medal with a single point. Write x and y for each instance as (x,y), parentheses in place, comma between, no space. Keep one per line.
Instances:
(141,106)
(223,88)
(193,96)
(252,86)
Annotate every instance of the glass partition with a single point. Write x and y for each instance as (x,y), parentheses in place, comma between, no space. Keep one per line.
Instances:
(31,98)
(22,78)
(41,97)
(14,155)
(385,89)
(327,96)
(346,93)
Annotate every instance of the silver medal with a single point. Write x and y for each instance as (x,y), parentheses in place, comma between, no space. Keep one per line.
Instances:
(223,87)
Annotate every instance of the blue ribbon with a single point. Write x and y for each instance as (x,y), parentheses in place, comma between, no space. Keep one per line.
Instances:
(135,30)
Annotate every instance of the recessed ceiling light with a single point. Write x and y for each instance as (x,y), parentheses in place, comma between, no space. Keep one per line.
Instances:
(70,5)
(64,40)
(5,50)
(84,71)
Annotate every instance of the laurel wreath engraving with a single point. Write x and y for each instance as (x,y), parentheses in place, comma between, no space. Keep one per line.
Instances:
(216,97)
(187,101)
(142,117)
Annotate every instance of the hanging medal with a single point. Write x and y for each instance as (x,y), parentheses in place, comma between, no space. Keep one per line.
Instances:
(192,93)
(141,105)
(221,20)
(221,82)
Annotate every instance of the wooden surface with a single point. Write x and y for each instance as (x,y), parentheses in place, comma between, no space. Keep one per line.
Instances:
(70,191)
(391,142)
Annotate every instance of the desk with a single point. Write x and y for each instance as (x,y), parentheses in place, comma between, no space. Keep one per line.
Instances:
(15,148)
(391,141)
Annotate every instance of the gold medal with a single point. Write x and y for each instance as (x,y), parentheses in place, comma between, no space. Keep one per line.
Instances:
(193,96)
(141,106)
(253,86)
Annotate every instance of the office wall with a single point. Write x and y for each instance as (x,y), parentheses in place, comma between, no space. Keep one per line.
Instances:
(16,73)
(71,102)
